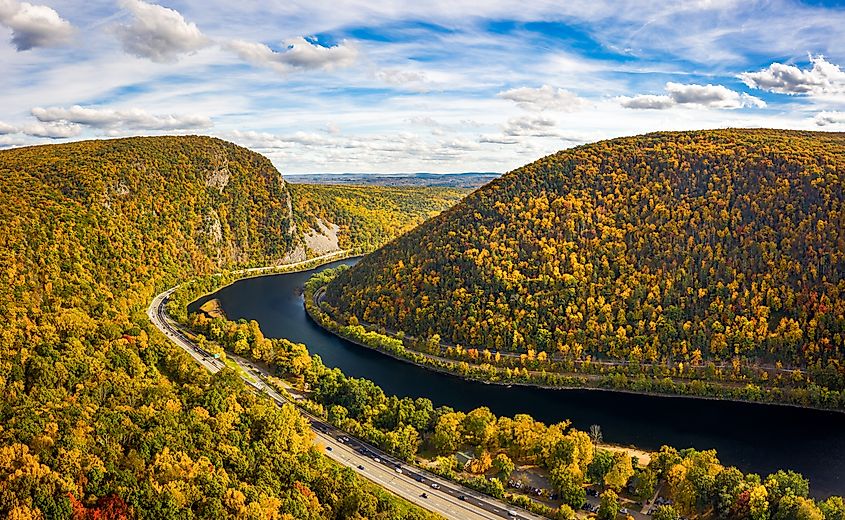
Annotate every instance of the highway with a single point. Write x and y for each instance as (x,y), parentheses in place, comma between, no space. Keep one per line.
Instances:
(409,482)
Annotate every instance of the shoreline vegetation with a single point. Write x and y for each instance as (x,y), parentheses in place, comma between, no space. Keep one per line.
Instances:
(571,461)
(513,370)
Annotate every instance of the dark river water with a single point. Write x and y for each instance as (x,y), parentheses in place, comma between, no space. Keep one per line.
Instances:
(754,437)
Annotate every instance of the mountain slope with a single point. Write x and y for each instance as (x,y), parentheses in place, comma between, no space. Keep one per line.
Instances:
(101,415)
(335,217)
(722,245)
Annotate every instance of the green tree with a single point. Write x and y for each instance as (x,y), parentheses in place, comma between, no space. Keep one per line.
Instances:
(503,465)
(608,505)
(600,466)
(568,482)
(665,512)
(833,508)
(793,507)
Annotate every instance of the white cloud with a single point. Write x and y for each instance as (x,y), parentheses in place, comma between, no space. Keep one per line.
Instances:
(497,139)
(51,130)
(829,118)
(34,25)
(533,126)
(647,101)
(543,98)
(7,129)
(132,119)
(704,96)
(401,77)
(299,53)
(824,78)
(158,33)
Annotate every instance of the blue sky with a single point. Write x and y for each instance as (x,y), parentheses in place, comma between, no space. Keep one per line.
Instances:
(389,86)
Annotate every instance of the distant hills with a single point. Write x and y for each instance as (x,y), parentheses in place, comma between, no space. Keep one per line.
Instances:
(678,249)
(470,180)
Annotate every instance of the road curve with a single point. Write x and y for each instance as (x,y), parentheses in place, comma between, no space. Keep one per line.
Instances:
(420,487)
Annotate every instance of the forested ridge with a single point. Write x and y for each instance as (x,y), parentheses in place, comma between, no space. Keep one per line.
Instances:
(368,216)
(722,248)
(101,416)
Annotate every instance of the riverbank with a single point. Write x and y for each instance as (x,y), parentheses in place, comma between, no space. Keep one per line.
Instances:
(394,347)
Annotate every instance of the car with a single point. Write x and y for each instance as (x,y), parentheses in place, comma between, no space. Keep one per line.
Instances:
(398,470)
(623,511)
(376,459)
(462,497)
(424,495)
(511,513)
(360,467)
(328,448)
(435,485)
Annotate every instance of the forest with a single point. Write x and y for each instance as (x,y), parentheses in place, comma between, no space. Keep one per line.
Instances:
(714,253)
(699,485)
(368,216)
(101,416)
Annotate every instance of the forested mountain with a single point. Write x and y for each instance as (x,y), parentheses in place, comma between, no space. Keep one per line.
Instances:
(364,217)
(680,248)
(101,416)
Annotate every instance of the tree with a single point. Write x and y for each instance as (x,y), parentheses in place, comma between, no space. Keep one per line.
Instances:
(564,512)
(608,505)
(786,483)
(595,434)
(729,483)
(646,484)
(447,433)
(600,466)
(479,427)
(792,507)
(568,482)
(758,503)
(617,477)
(503,465)
(833,508)
(665,512)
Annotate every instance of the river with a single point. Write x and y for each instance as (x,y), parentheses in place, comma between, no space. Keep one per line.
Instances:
(753,437)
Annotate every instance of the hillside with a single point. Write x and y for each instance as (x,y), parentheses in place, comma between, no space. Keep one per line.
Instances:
(333,217)
(101,416)
(716,249)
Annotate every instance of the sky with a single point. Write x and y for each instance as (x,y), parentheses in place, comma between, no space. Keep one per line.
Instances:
(406,86)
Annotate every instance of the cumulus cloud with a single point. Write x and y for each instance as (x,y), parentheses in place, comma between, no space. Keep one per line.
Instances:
(132,119)
(530,126)
(58,130)
(158,33)
(824,78)
(829,118)
(299,54)
(543,98)
(647,102)
(34,25)
(705,96)
(51,130)
(7,129)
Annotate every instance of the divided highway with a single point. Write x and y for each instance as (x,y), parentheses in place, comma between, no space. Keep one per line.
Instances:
(411,483)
